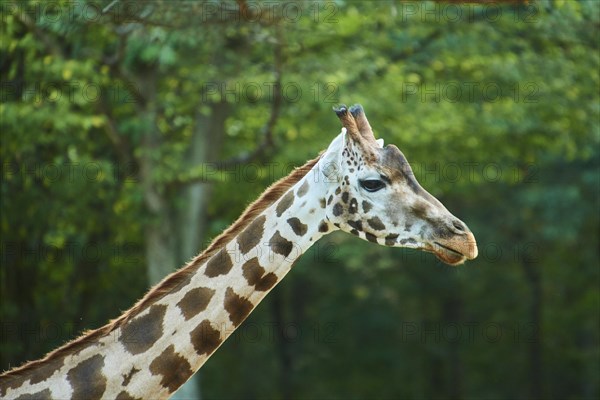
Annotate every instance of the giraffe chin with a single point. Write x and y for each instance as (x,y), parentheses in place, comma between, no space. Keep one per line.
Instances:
(446,254)
(450,257)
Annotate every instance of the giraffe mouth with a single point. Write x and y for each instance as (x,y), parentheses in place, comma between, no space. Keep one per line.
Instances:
(455,250)
(447,254)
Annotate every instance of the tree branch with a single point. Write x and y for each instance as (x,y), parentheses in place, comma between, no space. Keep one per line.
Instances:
(120,145)
(51,45)
(267,130)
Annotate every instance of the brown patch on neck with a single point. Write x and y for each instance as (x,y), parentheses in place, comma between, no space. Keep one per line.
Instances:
(124,395)
(127,378)
(42,394)
(255,275)
(87,379)
(173,368)
(297,226)
(172,282)
(285,203)
(140,334)
(205,338)
(219,264)
(195,301)
(251,236)
(237,306)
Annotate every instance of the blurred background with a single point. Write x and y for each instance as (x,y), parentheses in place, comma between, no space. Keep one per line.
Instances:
(134,132)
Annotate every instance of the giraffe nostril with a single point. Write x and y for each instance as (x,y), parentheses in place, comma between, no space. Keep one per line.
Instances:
(459,226)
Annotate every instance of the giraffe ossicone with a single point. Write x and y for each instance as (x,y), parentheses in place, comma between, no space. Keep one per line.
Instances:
(357,185)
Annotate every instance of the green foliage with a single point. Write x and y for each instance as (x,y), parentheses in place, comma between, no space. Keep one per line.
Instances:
(497,110)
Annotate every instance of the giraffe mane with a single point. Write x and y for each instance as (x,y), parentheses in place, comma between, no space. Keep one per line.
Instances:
(176,279)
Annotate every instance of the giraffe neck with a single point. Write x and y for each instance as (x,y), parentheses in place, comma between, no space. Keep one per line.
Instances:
(158,349)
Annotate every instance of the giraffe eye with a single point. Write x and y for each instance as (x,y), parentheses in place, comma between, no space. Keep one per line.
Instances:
(372,185)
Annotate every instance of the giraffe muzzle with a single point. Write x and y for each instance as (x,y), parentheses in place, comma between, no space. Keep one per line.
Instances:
(455,250)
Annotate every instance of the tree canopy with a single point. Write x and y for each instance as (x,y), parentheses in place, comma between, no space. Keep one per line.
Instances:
(133,132)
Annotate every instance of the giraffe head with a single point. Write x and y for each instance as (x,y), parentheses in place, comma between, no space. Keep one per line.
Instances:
(372,193)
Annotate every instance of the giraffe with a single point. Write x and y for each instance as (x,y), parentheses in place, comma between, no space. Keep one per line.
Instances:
(356,185)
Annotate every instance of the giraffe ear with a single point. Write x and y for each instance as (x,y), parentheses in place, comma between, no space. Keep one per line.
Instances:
(331,161)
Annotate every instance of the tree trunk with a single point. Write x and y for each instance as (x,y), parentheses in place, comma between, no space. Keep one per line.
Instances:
(452,310)
(159,241)
(283,348)
(204,148)
(534,280)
